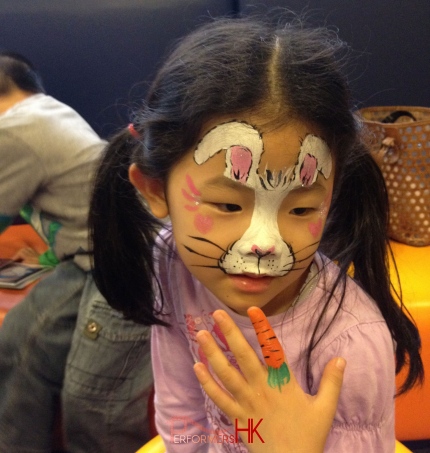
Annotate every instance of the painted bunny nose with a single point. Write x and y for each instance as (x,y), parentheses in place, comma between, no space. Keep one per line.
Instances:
(260,252)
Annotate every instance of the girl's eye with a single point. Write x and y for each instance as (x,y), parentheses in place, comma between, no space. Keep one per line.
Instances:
(300,211)
(228,207)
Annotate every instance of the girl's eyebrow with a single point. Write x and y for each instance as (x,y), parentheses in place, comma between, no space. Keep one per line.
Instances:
(224,181)
(315,187)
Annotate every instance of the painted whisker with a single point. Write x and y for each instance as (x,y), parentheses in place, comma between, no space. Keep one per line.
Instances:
(197,238)
(296,269)
(306,257)
(200,254)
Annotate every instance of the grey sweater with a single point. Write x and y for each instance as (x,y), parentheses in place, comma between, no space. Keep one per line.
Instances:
(48,154)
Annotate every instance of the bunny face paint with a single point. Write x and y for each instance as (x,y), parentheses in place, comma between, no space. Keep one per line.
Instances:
(252,206)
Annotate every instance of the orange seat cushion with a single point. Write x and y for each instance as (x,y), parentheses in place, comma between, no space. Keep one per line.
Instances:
(413,408)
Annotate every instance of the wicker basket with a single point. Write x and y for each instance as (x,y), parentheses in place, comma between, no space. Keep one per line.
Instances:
(402,150)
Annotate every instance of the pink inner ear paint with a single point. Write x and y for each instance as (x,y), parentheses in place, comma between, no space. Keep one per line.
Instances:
(315,227)
(203,223)
(241,162)
(308,170)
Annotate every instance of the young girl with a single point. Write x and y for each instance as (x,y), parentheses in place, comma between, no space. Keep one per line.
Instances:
(247,142)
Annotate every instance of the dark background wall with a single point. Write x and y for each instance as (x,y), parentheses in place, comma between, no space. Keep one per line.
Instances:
(390,39)
(96,55)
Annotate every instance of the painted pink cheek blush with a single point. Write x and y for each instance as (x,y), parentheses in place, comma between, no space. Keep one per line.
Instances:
(315,228)
(191,208)
(193,198)
(203,223)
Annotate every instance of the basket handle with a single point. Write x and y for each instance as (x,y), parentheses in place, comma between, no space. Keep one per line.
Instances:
(394,116)
(389,152)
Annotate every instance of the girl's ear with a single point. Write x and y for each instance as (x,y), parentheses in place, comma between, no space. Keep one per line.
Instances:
(151,189)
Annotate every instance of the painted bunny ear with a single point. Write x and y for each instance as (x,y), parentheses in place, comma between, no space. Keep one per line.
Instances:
(314,158)
(227,135)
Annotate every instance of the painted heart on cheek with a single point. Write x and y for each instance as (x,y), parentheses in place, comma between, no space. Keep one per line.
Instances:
(203,223)
(315,227)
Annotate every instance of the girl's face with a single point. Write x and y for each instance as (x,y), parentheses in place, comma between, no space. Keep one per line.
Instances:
(248,207)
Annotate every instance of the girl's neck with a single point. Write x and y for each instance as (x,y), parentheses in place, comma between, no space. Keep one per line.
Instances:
(295,293)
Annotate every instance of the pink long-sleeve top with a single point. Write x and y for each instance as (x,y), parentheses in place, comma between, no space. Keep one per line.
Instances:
(187,419)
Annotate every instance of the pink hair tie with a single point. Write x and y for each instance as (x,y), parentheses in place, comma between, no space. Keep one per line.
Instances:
(133,131)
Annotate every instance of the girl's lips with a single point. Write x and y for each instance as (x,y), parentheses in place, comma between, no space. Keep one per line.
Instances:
(251,283)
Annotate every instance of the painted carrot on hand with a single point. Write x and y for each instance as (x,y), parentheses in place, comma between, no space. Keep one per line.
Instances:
(273,354)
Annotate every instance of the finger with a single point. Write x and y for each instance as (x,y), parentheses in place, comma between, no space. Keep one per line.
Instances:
(247,359)
(230,377)
(330,385)
(215,392)
(278,371)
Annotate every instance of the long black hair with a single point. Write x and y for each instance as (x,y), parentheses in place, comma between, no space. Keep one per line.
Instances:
(227,67)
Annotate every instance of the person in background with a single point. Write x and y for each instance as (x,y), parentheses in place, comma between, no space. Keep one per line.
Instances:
(247,141)
(48,154)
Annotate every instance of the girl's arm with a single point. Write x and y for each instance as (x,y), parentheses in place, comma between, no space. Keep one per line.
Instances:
(281,414)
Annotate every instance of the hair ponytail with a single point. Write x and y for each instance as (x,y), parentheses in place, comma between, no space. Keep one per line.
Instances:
(123,233)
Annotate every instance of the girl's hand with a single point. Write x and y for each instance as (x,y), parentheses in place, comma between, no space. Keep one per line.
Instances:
(281,414)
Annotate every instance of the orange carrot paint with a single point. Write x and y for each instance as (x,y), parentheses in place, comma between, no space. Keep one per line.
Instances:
(279,374)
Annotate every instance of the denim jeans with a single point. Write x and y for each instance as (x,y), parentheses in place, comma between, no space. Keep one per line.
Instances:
(34,342)
(107,382)
(104,380)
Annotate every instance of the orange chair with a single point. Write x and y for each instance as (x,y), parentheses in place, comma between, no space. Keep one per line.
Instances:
(413,408)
